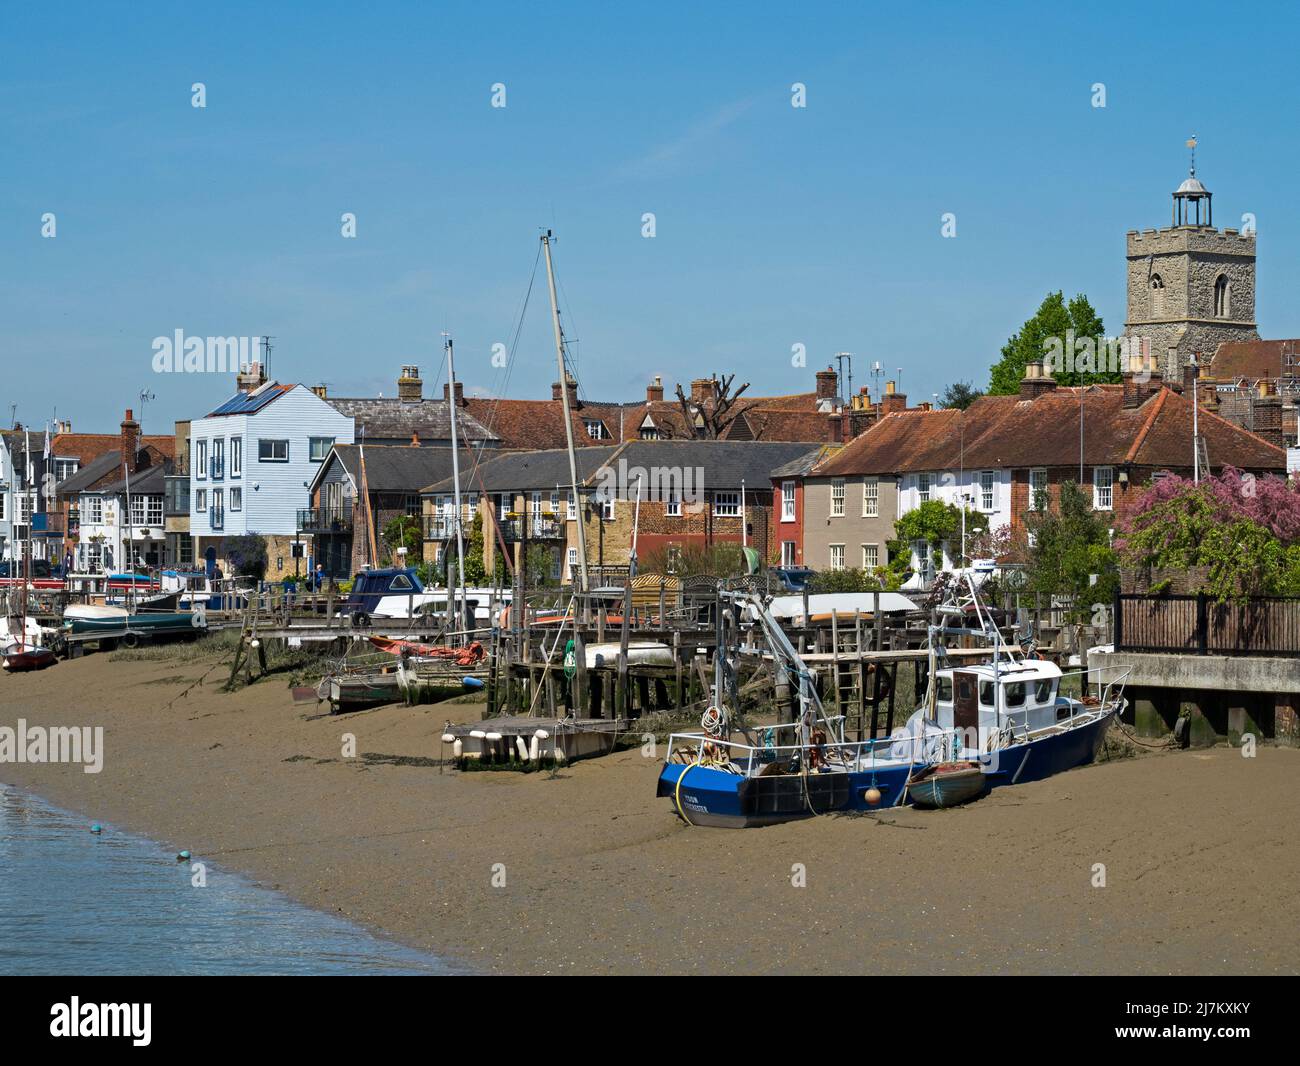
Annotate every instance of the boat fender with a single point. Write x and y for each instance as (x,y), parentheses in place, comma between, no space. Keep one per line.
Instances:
(457,748)
(872,796)
(534,748)
(521,745)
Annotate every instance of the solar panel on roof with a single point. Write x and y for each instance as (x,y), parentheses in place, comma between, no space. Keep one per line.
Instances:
(247,402)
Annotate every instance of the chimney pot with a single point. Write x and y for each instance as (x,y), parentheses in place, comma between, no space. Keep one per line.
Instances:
(409,386)
(1035,382)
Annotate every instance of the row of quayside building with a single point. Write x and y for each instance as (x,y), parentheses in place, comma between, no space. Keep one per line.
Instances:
(813,478)
(806,479)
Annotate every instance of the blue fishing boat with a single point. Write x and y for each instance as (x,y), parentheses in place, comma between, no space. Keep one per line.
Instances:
(1005,722)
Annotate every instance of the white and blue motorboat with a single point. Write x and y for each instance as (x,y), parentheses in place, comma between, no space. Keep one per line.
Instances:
(1008,717)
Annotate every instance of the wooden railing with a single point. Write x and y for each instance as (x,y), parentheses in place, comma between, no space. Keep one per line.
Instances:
(1198,625)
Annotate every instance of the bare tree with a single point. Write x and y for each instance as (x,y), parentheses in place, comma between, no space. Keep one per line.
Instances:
(710,419)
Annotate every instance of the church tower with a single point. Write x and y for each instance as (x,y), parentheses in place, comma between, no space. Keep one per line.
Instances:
(1190,286)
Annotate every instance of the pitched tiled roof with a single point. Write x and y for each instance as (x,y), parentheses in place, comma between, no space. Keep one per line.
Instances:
(392,418)
(104,472)
(805,463)
(394,468)
(525,470)
(86,446)
(1253,359)
(723,465)
(533,423)
(1006,431)
(148,482)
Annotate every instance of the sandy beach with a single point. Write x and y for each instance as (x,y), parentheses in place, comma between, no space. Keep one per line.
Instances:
(600,877)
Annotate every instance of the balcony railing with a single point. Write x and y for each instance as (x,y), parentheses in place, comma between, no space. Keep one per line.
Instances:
(536,527)
(442,526)
(326,519)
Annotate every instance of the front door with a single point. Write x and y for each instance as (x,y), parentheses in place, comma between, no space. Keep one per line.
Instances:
(965,700)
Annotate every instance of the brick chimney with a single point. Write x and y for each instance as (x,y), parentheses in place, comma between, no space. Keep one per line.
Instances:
(573,391)
(1035,382)
(1137,392)
(130,441)
(320,391)
(835,427)
(409,385)
(827,384)
(250,377)
(893,400)
(460,393)
(1267,414)
(655,391)
(703,390)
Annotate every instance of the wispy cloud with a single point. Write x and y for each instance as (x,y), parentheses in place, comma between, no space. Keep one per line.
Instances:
(680,153)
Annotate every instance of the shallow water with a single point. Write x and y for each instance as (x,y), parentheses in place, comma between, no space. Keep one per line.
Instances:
(75,902)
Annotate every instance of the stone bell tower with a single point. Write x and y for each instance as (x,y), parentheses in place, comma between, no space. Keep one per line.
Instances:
(1190,286)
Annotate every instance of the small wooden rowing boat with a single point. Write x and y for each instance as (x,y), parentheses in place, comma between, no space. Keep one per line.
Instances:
(947,784)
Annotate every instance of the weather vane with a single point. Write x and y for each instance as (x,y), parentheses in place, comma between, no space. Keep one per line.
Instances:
(1191,143)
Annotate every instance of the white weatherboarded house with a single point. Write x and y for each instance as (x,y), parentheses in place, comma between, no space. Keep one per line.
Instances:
(251,461)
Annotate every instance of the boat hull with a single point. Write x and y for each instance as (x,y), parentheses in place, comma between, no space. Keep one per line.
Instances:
(29,659)
(940,790)
(712,797)
(1019,764)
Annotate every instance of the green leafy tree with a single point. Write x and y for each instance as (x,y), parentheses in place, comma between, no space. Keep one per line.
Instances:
(960,395)
(1052,322)
(1071,545)
(404,532)
(936,523)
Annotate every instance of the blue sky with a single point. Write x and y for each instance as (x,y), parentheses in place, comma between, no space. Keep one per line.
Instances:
(775,225)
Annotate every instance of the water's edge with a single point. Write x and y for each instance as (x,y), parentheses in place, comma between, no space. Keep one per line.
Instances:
(119,902)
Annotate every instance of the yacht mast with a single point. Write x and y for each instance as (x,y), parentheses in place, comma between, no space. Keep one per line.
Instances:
(568,419)
(455,474)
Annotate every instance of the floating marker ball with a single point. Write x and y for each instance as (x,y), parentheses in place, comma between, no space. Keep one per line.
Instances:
(96,828)
(183,856)
(872,796)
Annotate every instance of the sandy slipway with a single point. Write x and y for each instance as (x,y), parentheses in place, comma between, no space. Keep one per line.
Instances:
(1200,848)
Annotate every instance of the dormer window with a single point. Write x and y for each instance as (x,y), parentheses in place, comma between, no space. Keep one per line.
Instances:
(595,428)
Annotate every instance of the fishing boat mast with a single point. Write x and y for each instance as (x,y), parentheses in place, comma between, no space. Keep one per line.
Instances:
(568,418)
(455,474)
